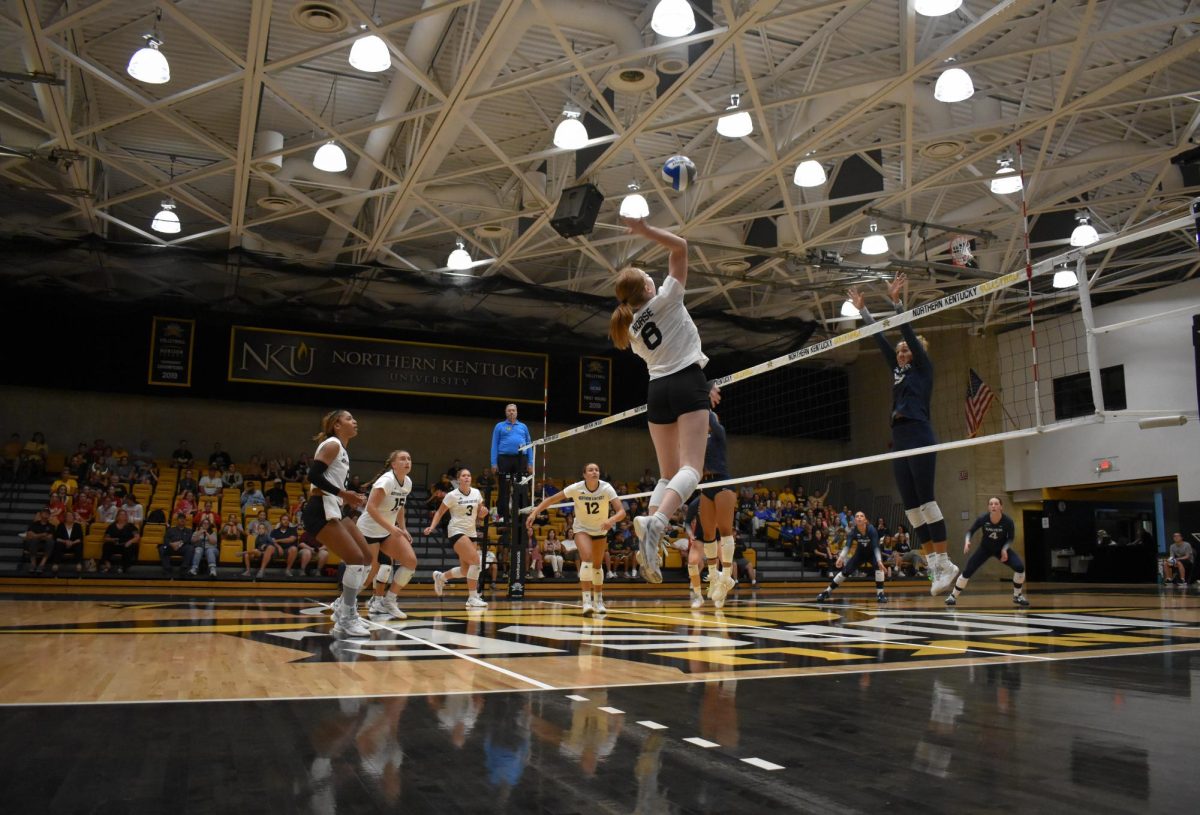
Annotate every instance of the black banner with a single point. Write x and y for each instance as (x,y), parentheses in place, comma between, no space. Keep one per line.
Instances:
(171,352)
(595,386)
(308,360)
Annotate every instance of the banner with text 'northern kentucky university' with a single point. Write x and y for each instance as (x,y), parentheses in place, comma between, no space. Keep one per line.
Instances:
(304,359)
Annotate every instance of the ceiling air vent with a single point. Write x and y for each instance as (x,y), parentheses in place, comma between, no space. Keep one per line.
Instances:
(631,80)
(735,266)
(320,18)
(943,148)
(492,232)
(988,136)
(274,203)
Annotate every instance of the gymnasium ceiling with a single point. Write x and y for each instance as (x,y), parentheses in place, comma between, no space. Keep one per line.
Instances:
(1102,98)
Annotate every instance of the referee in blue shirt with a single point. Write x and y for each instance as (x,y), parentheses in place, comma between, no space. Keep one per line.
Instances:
(507,458)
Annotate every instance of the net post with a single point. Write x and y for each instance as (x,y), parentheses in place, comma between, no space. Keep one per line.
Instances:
(516,540)
(1089,328)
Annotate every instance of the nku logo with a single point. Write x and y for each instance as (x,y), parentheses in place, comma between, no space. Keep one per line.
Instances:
(289,359)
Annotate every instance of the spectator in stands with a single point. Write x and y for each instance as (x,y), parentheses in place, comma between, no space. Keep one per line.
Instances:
(148,474)
(219,459)
(204,544)
(253,497)
(285,537)
(277,496)
(84,505)
(620,551)
(65,479)
(124,469)
(647,482)
(33,456)
(817,499)
(232,531)
(881,527)
(96,450)
(741,566)
(188,482)
(144,454)
(185,503)
(486,484)
(68,543)
(552,552)
(134,510)
(182,456)
(39,540)
(106,511)
(120,541)
(232,478)
(59,503)
(264,547)
(787,497)
(1181,560)
(207,512)
(253,470)
(452,470)
(78,465)
(903,555)
(822,552)
(291,470)
(211,484)
(177,541)
(533,558)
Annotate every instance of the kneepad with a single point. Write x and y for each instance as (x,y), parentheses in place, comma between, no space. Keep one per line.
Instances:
(684,482)
(660,489)
(384,573)
(710,550)
(727,549)
(693,570)
(585,572)
(915,517)
(354,577)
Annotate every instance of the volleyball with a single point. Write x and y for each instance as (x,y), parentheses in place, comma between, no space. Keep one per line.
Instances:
(679,172)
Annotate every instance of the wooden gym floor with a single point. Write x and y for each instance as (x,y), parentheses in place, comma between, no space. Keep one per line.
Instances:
(214,698)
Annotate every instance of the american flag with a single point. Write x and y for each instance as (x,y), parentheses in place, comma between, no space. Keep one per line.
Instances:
(979,399)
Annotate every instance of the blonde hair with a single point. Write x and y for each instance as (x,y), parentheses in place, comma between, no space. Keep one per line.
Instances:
(921,339)
(631,292)
(328,423)
(388,464)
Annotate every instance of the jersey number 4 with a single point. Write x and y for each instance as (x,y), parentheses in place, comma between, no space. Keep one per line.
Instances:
(651,336)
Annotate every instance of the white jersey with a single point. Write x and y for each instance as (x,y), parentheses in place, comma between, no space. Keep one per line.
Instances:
(464,509)
(663,334)
(591,506)
(338,472)
(393,504)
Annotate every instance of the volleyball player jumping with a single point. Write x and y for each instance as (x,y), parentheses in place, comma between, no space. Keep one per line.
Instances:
(912,392)
(656,324)
(592,518)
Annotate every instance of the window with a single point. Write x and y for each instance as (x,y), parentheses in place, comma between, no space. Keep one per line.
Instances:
(1073,393)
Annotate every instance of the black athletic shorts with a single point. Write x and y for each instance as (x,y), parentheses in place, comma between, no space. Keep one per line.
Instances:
(313,515)
(671,396)
(711,492)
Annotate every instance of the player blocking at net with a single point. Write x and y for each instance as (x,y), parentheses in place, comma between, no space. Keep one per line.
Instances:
(593,499)
(999,532)
(912,392)
(655,323)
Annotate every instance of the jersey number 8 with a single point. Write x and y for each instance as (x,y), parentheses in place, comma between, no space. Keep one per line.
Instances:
(651,336)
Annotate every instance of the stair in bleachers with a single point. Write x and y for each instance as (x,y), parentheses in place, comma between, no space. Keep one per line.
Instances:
(18,503)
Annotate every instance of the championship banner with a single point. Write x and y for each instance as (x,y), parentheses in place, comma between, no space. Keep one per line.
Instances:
(171,342)
(595,385)
(302,359)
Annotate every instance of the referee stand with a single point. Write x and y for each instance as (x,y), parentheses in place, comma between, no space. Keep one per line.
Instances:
(515,535)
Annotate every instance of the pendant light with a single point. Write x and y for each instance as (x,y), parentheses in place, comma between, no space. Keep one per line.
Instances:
(369,53)
(166,221)
(329,156)
(736,123)
(673,18)
(148,64)
(570,133)
(1007,180)
(954,85)
(874,243)
(460,259)
(634,205)
(1064,277)
(809,173)
(1084,233)
(936,8)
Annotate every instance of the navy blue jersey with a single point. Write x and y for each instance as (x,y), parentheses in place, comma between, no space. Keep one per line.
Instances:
(715,458)
(995,536)
(912,384)
(867,541)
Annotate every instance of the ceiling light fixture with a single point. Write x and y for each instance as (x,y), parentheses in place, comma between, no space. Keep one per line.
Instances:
(875,243)
(736,123)
(329,156)
(673,18)
(809,173)
(1007,180)
(936,8)
(166,221)
(1084,233)
(570,133)
(634,205)
(1064,277)
(848,310)
(148,64)
(370,54)
(460,259)
(954,85)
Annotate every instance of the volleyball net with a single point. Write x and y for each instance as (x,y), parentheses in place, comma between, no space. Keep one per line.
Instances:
(817,419)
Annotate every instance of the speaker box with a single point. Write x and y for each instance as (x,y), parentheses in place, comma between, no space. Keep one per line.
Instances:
(577,210)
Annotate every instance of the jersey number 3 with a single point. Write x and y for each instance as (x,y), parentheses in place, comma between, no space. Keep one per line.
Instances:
(651,336)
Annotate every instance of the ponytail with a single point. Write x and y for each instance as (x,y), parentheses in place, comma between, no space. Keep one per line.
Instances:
(328,423)
(388,465)
(631,292)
